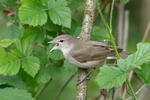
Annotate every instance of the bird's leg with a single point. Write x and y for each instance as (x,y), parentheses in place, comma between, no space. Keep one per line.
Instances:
(86,77)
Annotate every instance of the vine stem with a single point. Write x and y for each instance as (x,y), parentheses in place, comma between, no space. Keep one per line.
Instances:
(109,29)
(42,89)
(130,87)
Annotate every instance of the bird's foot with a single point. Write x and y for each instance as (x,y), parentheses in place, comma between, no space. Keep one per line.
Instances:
(86,77)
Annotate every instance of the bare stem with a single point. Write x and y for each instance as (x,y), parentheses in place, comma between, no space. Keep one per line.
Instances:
(109,29)
(90,7)
(63,87)
(130,87)
(42,89)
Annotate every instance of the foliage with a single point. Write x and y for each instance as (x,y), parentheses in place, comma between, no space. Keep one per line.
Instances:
(25,61)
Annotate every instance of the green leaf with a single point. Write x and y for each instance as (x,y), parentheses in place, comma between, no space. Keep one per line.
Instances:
(41,53)
(59,13)
(99,34)
(14,94)
(9,64)
(110,76)
(144,73)
(32,15)
(69,67)
(124,1)
(31,65)
(12,32)
(16,48)
(44,75)
(14,81)
(6,42)
(31,35)
(56,54)
(141,56)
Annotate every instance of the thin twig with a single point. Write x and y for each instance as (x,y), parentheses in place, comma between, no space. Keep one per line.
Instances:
(132,91)
(108,28)
(136,93)
(42,89)
(63,87)
(146,32)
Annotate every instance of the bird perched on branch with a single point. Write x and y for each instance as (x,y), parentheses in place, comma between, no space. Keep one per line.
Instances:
(82,53)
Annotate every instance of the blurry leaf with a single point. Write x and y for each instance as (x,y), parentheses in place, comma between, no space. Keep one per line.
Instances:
(144,73)
(41,53)
(120,98)
(12,32)
(1,14)
(9,64)
(99,34)
(6,42)
(31,65)
(44,75)
(31,36)
(28,79)
(124,1)
(55,68)
(32,15)
(75,28)
(14,94)
(69,67)
(133,61)
(59,13)
(10,3)
(52,27)
(14,81)
(110,76)
(75,4)
(56,54)
(16,48)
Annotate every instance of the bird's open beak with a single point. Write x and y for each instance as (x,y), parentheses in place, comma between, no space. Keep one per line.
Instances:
(54,48)
(51,42)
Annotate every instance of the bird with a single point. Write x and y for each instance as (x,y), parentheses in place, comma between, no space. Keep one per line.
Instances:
(83,53)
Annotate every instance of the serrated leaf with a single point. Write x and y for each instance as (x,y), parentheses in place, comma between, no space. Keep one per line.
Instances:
(59,13)
(14,81)
(12,32)
(16,48)
(110,76)
(124,1)
(31,65)
(144,73)
(44,75)
(141,56)
(15,94)
(56,54)
(32,15)
(6,42)
(9,64)
(31,35)
(41,53)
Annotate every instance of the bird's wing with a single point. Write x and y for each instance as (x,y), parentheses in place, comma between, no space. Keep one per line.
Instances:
(91,51)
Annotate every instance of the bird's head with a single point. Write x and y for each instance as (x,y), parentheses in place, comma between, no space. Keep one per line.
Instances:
(62,42)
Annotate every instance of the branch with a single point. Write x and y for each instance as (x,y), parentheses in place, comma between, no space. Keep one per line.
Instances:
(39,91)
(90,7)
(107,26)
(146,32)
(63,87)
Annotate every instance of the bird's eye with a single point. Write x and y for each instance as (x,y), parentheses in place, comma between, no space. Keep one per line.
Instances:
(61,40)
